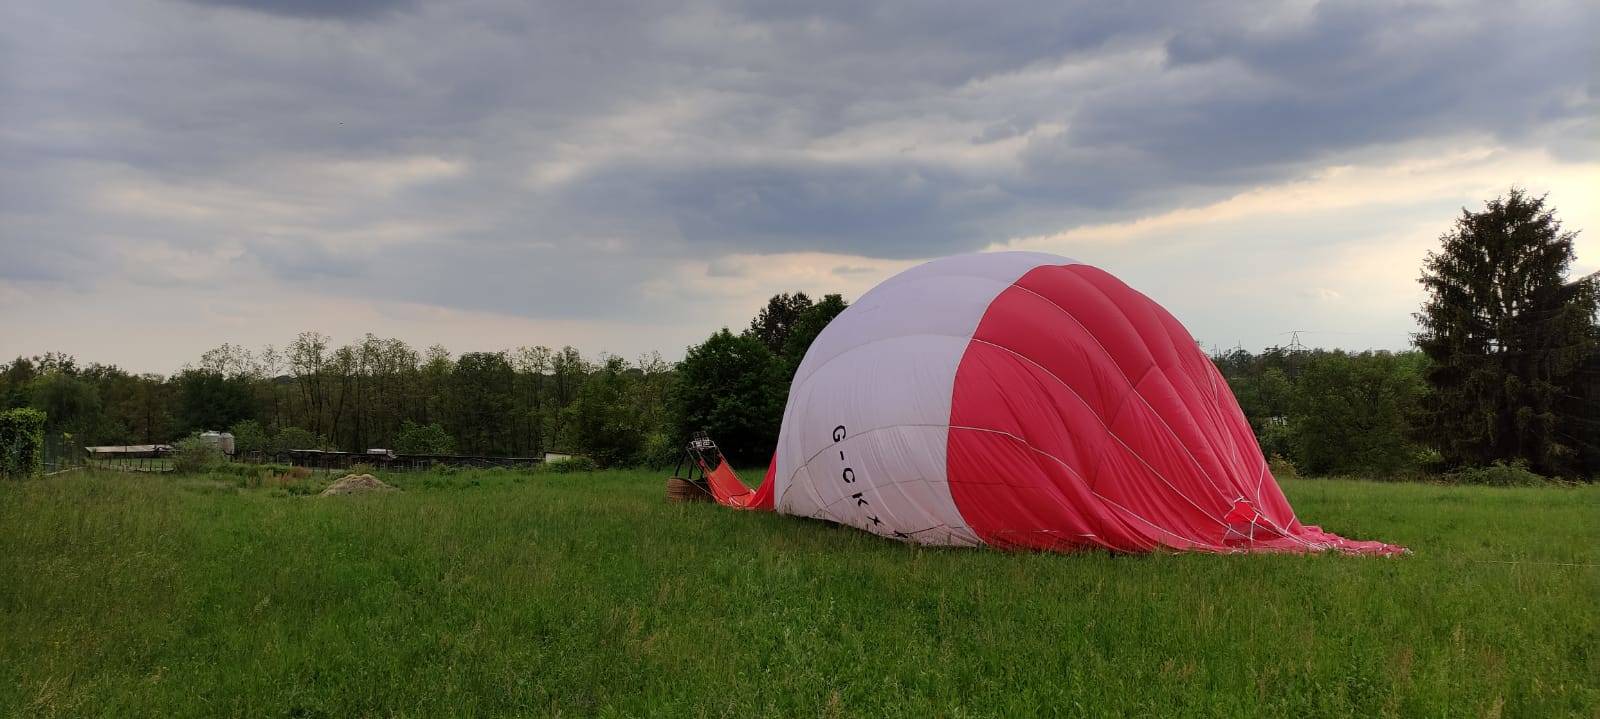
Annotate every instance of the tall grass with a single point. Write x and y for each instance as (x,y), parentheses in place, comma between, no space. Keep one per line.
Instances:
(496,593)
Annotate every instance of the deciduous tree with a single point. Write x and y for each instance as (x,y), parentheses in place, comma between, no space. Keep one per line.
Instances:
(774,322)
(733,387)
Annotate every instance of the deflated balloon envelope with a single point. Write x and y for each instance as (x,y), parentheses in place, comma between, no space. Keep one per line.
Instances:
(1026,400)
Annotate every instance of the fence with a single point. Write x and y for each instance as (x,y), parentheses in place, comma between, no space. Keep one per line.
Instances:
(61,453)
(323,461)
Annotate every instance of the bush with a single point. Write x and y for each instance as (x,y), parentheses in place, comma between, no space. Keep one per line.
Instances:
(195,455)
(576,464)
(21,442)
(1276,439)
(295,438)
(248,437)
(1281,468)
(661,450)
(1498,474)
(429,438)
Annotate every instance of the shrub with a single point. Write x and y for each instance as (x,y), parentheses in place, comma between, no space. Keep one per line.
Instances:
(660,450)
(1276,438)
(429,438)
(295,438)
(576,464)
(21,442)
(1498,474)
(248,437)
(195,455)
(1282,468)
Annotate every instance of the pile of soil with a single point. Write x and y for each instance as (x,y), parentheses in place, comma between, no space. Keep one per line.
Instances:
(357,484)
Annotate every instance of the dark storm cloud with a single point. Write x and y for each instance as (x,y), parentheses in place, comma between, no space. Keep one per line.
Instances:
(344,9)
(908,210)
(501,155)
(1353,74)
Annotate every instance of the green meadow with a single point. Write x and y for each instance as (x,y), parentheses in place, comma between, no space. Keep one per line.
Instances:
(498,593)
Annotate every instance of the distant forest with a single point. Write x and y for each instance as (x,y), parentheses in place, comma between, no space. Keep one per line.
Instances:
(383,393)
(1325,411)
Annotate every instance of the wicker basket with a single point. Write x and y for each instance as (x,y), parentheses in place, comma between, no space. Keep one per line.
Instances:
(683,490)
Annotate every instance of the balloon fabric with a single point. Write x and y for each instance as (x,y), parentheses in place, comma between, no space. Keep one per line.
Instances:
(1027,401)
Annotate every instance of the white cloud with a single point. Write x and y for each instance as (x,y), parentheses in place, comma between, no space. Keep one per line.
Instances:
(1337,252)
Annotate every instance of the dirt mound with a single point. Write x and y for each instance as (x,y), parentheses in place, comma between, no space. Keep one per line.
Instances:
(356,484)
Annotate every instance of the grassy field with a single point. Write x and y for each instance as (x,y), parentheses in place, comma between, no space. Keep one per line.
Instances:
(497,593)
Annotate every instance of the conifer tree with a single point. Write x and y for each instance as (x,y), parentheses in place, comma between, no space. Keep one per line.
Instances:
(1507,335)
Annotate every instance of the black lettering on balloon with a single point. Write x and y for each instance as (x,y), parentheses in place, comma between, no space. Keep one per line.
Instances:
(848,474)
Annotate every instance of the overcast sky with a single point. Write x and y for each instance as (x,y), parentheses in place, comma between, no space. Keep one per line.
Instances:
(491,173)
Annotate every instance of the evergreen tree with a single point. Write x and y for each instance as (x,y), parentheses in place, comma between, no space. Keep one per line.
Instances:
(1506,336)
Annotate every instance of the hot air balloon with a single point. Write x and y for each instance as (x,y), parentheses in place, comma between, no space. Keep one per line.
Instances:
(1027,401)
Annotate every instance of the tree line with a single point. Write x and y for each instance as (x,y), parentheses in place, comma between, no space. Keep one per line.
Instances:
(1333,412)
(1506,369)
(383,393)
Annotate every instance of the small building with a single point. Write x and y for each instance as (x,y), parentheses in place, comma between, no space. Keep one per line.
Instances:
(129,451)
